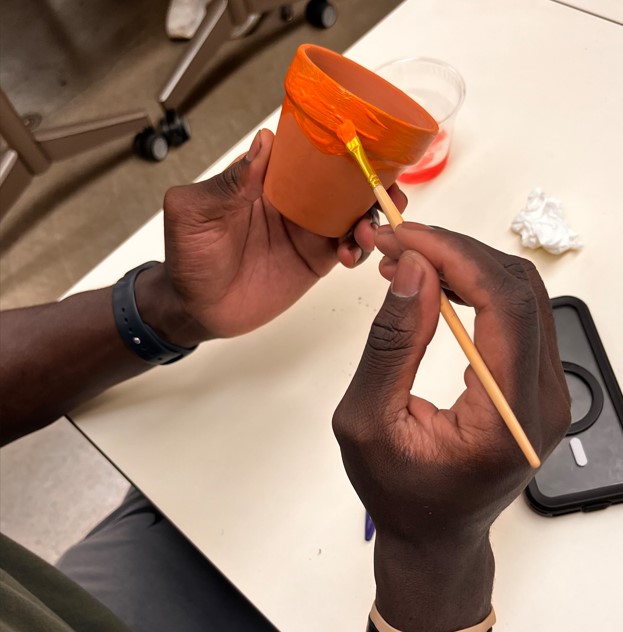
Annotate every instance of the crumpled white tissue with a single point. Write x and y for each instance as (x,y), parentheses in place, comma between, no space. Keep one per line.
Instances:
(541,223)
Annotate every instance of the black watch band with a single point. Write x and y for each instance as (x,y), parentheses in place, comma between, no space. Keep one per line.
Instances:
(136,334)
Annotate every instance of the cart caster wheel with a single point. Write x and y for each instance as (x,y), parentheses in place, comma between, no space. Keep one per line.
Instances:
(287,13)
(174,128)
(151,145)
(321,14)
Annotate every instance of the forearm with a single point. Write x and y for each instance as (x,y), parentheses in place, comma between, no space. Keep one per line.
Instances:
(58,355)
(432,587)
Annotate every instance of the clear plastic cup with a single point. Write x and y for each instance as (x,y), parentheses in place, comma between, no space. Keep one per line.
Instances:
(440,90)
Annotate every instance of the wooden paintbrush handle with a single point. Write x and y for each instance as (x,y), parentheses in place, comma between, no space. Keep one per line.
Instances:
(389,208)
(487,380)
(469,348)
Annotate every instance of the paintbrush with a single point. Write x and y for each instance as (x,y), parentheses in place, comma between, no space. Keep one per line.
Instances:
(348,135)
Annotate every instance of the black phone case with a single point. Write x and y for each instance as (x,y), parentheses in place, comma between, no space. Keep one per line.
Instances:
(563,486)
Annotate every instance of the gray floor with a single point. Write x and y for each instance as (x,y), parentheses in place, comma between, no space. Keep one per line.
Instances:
(66,61)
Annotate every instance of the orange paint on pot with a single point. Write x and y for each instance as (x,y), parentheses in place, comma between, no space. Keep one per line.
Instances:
(311,179)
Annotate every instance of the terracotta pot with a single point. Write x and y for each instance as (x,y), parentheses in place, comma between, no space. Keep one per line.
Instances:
(311,178)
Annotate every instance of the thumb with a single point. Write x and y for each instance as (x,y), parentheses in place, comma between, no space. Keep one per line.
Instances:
(398,338)
(240,184)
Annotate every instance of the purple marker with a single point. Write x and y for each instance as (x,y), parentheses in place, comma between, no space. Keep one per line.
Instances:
(369,527)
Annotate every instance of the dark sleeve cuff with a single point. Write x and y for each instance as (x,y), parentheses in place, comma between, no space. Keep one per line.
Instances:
(372,628)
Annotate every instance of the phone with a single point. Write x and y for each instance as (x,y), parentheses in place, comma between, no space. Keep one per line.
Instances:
(585,470)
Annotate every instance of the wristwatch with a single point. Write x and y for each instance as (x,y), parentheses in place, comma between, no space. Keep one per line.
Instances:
(137,335)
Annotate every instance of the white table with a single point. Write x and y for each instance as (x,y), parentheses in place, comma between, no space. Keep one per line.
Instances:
(234,444)
(608,9)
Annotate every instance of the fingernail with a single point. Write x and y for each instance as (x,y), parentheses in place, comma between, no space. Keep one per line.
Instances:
(256,145)
(357,253)
(408,278)
(374,217)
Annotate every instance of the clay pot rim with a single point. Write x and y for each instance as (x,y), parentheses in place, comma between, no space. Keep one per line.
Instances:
(430,129)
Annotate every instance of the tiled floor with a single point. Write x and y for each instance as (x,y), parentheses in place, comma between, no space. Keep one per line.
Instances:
(55,487)
(68,61)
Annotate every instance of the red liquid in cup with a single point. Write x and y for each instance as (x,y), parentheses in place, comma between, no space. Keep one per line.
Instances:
(423,175)
(431,164)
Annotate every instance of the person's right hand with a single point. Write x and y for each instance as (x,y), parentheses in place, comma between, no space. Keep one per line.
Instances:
(434,480)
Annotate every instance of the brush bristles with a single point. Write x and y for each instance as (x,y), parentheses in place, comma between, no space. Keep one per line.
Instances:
(346,132)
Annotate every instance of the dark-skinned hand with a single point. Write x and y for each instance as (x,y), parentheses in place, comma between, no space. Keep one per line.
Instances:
(434,480)
(233,262)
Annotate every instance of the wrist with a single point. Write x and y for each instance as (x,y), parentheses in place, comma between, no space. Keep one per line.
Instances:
(433,586)
(161,307)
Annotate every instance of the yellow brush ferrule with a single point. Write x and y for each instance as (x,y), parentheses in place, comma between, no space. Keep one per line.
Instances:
(356,149)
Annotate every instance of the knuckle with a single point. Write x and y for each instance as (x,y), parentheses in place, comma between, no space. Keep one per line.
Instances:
(173,199)
(343,422)
(236,184)
(513,293)
(521,271)
(338,422)
(387,346)
(387,349)
(386,335)
(353,419)
(227,183)
(514,285)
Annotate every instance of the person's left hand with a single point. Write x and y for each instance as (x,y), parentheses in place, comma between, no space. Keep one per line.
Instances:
(235,262)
